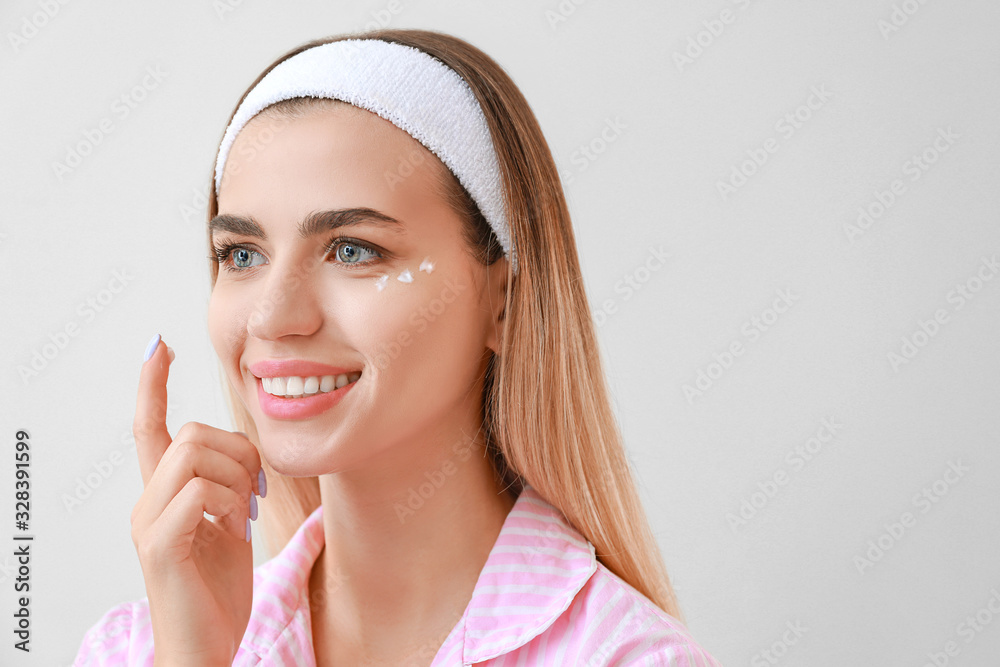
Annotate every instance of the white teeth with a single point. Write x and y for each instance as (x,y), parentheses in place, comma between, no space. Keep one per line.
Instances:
(297,386)
(294,386)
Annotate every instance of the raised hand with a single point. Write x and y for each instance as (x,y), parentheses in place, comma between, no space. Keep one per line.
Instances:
(198,571)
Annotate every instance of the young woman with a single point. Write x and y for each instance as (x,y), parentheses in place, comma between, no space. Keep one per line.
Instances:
(398,309)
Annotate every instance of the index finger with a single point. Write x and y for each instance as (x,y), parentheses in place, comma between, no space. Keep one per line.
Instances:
(150,424)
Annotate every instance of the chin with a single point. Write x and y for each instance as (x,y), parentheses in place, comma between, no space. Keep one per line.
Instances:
(296,455)
(291,461)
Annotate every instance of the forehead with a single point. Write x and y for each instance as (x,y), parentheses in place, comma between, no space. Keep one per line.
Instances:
(328,155)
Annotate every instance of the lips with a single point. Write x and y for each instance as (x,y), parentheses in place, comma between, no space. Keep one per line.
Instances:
(269,368)
(278,407)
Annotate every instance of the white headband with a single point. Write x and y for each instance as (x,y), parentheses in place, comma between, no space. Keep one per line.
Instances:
(411,89)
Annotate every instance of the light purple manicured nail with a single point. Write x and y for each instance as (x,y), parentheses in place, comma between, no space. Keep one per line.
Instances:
(151,347)
(248,530)
(253,507)
(262,482)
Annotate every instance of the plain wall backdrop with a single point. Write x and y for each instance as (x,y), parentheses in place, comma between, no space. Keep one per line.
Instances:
(786,215)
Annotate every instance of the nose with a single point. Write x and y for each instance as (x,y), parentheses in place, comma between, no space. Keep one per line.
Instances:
(289,304)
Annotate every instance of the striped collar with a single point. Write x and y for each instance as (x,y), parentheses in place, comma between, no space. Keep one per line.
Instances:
(536,567)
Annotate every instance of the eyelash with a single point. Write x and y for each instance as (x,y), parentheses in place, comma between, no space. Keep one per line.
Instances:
(221,253)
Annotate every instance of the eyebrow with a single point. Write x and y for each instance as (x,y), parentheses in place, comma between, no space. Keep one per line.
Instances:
(315,223)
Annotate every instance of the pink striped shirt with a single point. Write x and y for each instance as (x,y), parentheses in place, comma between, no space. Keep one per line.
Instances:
(541,599)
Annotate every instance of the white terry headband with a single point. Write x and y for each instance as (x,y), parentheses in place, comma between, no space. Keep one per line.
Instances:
(411,89)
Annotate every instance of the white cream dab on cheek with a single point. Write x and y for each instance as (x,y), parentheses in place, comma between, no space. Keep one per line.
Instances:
(406,276)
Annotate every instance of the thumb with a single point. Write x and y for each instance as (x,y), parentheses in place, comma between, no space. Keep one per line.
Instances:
(150,426)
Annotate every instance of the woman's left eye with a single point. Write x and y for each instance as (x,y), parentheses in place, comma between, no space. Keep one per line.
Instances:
(352,252)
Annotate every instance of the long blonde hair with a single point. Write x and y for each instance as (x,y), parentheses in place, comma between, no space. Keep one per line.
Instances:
(548,418)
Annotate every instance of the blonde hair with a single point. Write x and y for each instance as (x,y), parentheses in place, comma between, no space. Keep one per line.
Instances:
(548,418)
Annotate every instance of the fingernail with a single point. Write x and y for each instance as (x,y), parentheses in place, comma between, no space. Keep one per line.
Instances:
(248,530)
(240,433)
(253,507)
(151,347)
(262,483)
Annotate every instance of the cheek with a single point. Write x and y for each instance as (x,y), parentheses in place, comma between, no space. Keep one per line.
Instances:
(427,325)
(226,325)
(381,323)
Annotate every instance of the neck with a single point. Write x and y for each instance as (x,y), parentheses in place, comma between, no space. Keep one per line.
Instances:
(406,538)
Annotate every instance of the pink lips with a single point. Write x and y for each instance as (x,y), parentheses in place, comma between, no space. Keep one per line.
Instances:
(277,407)
(271,368)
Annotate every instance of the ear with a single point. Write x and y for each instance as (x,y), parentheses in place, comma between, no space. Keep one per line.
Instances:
(495,293)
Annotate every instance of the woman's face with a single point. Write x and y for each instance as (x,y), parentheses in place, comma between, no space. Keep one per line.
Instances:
(381,285)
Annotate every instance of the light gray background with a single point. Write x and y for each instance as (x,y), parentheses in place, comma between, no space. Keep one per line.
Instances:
(682,128)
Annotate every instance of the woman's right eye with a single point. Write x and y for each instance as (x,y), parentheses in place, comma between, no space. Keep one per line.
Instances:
(242,257)
(235,257)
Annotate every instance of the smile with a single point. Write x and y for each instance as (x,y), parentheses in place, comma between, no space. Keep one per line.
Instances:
(303,397)
(295,387)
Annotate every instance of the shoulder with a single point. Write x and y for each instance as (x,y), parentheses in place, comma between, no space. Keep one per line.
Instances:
(122,636)
(618,625)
